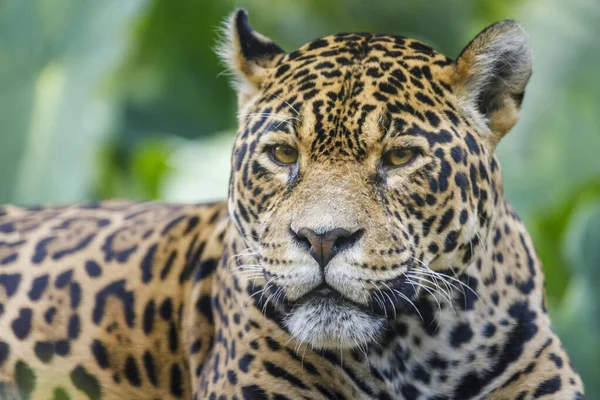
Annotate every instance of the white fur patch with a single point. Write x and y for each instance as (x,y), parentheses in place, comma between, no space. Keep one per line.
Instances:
(328,323)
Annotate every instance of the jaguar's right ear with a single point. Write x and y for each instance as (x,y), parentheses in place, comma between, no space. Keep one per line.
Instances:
(490,77)
(248,55)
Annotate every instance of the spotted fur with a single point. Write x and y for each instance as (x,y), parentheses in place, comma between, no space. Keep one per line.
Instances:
(93,298)
(433,291)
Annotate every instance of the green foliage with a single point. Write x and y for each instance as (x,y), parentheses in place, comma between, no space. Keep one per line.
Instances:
(549,228)
(170,80)
(55,56)
(135,172)
(578,317)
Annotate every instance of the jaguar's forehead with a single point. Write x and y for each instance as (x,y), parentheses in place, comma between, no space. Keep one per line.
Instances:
(348,88)
(350,48)
(391,64)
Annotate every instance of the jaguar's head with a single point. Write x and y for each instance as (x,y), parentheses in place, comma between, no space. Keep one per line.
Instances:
(363,166)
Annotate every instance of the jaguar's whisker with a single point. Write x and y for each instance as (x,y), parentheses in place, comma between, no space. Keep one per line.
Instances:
(439,290)
(405,297)
(432,294)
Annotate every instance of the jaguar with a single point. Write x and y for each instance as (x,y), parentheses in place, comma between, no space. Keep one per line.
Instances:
(365,249)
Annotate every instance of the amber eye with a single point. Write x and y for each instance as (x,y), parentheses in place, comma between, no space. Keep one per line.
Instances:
(284,154)
(399,157)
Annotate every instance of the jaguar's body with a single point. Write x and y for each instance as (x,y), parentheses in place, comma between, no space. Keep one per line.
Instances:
(366,250)
(93,299)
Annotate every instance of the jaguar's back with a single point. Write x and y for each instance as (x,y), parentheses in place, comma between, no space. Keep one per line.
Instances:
(92,298)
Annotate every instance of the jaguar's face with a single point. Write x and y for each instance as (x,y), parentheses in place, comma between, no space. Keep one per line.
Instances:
(357,174)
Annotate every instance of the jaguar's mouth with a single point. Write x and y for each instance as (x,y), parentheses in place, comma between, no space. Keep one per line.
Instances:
(326,294)
(323,291)
(325,317)
(385,298)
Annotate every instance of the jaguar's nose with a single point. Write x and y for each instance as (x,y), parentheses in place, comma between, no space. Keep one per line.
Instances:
(324,246)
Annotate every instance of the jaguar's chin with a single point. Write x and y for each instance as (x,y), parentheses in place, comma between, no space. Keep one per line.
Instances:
(332,323)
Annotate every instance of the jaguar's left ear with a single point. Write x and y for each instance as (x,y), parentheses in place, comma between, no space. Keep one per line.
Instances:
(490,76)
(248,54)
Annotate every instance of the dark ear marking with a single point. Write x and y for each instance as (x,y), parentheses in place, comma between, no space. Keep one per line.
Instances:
(248,55)
(491,74)
(251,45)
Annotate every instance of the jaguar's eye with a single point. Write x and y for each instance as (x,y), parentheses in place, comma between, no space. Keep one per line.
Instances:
(399,157)
(284,154)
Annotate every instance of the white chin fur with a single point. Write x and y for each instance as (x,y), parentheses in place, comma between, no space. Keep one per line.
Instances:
(326,323)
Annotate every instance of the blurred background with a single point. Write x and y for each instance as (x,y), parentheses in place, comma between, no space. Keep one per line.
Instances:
(125,98)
